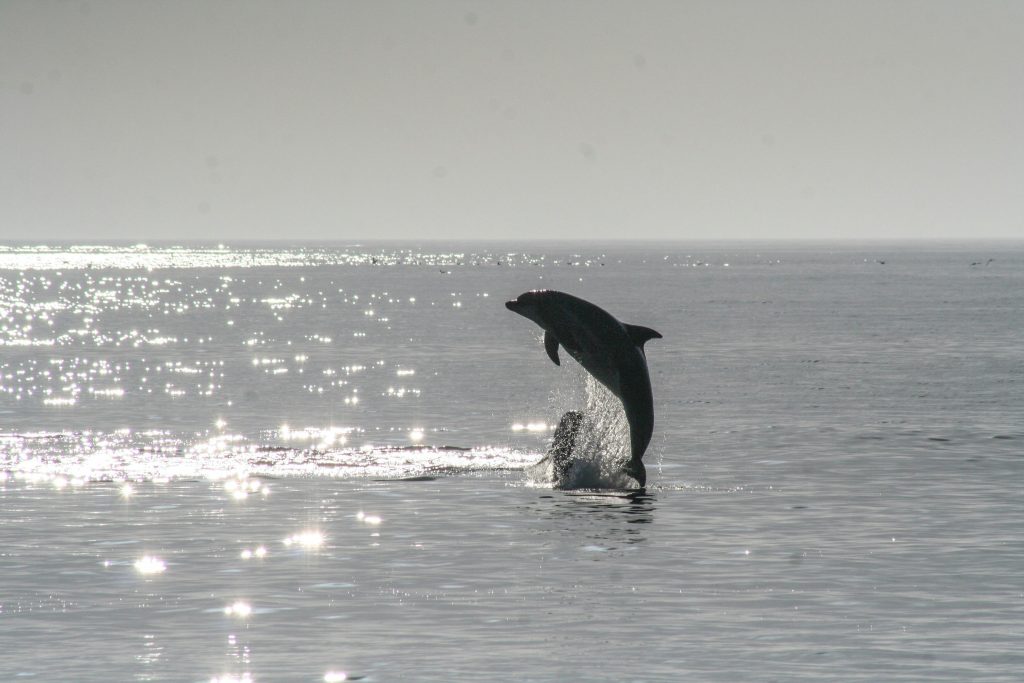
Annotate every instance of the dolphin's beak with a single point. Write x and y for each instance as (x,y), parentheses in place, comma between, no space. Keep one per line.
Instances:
(527,309)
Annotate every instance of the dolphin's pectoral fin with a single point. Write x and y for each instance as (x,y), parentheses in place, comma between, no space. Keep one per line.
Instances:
(551,346)
(641,335)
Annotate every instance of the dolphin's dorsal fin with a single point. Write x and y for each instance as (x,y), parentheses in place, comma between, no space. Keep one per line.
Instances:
(551,346)
(640,335)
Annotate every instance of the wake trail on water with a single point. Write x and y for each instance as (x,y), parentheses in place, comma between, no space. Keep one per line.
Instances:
(70,458)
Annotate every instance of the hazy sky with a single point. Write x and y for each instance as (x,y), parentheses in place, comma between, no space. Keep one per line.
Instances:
(634,119)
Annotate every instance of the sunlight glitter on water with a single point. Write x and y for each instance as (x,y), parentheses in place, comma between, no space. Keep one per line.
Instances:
(231,678)
(239,608)
(70,459)
(305,539)
(239,488)
(531,426)
(149,564)
(149,258)
(259,553)
(372,520)
(137,345)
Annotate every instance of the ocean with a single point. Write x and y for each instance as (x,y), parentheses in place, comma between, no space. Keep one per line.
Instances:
(311,462)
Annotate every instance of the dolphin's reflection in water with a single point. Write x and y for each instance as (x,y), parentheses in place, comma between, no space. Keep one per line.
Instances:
(611,519)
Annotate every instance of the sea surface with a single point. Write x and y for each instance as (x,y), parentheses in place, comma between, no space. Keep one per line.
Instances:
(299,462)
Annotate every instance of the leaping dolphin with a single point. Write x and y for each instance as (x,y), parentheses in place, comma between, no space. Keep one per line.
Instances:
(611,351)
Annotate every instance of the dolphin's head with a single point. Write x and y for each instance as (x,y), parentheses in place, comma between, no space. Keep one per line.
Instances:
(636,469)
(529,305)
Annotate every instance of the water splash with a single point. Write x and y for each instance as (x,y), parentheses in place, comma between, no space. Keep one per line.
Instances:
(602,442)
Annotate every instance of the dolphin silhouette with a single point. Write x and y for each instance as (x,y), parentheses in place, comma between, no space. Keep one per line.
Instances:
(611,351)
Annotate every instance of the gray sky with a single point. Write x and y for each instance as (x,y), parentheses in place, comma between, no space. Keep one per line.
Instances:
(356,120)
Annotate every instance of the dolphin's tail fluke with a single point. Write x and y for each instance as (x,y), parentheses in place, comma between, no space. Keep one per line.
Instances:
(635,468)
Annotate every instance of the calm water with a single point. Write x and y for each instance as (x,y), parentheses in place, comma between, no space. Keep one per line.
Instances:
(304,463)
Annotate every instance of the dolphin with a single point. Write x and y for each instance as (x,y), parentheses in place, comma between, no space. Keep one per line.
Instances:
(611,351)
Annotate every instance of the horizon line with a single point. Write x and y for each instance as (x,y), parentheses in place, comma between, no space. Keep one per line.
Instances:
(337,241)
